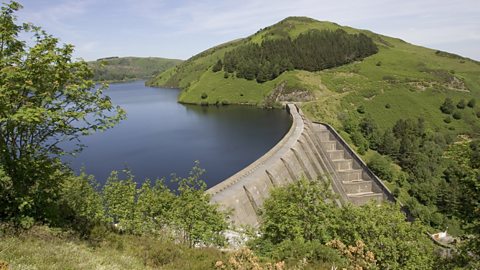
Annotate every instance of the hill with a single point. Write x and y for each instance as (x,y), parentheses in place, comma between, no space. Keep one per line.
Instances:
(410,111)
(113,69)
(412,80)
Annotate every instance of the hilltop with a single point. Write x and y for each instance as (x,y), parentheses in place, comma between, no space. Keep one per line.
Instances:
(113,69)
(412,80)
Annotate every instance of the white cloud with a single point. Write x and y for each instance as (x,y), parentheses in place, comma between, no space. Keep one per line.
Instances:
(203,23)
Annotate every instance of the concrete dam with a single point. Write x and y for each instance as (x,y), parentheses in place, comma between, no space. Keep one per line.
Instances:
(309,149)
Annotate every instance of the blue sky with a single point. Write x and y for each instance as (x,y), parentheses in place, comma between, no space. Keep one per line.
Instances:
(183,28)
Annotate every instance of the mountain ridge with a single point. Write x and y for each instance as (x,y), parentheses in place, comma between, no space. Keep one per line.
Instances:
(118,69)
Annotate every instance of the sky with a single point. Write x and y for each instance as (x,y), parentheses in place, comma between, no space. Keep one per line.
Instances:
(182,28)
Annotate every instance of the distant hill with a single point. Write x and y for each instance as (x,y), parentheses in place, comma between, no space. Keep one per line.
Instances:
(113,69)
(398,80)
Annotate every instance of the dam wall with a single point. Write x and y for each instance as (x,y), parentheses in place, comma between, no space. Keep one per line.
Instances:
(310,150)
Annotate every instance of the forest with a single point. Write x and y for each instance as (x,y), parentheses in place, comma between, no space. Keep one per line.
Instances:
(312,51)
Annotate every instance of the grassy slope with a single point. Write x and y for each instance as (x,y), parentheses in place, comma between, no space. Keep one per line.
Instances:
(46,248)
(130,68)
(411,79)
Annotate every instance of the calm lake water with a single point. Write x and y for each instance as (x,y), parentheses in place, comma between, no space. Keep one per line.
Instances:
(161,137)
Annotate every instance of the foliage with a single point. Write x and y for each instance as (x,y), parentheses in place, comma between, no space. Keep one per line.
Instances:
(297,212)
(218,66)
(447,106)
(396,243)
(197,219)
(311,51)
(81,204)
(115,69)
(45,99)
(314,252)
(245,259)
(457,115)
(358,257)
(461,104)
(471,103)
(119,197)
(301,210)
(43,247)
(381,167)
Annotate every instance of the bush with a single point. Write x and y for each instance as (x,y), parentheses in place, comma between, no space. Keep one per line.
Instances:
(381,167)
(388,106)
(218,66)
(204,95)
(360,141)
(471,103)
(461,104)
(457,115)
(293,251)
(447,119)
(447,107)
(361,109)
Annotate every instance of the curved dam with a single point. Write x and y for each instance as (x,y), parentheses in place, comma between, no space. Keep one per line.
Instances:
(312,150)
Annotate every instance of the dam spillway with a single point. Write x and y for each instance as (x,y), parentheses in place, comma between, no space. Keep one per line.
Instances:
(311,150)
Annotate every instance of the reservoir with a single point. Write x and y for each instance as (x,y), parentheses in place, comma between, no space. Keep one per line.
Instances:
(161,137)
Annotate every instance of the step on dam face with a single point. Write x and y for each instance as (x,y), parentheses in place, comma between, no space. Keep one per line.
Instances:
(310,150)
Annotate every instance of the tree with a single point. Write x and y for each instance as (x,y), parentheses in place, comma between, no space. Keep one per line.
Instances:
(119,197)
(81,204)
(218,66)
(447,107)
(304,212)
(46,99)
(396,243)
(197,219)
(301,210)
(154,207)
(381,167)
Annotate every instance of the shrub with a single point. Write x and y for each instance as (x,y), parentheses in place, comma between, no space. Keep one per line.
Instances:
(388,106)
(447,119)
(361,109)
(204,95)
(379,63)
(218,66)
(225,102)
(360,141)
(457,115)
(461,104)
(471,103)
(381,167)
(447,107)
(293,251)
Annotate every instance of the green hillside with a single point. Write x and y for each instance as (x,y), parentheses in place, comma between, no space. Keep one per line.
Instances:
(413,80)
(113,69)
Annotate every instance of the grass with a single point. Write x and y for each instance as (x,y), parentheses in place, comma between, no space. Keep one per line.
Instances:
(412,80)
(46,248)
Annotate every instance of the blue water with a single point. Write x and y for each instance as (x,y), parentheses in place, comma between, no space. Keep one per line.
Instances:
(161,137)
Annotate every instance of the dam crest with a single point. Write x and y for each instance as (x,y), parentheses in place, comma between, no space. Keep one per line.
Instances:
(313,150)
